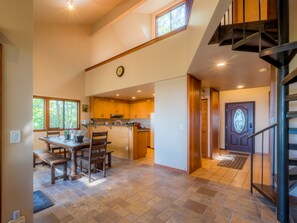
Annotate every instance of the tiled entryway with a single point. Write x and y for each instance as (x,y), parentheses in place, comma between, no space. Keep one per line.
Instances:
(139,192)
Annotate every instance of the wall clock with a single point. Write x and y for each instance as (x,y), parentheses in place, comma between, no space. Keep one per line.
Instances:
(120,71)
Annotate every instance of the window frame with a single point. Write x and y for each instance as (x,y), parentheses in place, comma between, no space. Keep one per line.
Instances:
(168,11)
(47,112)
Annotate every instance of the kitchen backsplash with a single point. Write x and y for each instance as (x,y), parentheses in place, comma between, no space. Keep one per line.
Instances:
(144,122)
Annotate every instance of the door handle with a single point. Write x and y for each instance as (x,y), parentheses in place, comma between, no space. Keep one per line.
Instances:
(251,126)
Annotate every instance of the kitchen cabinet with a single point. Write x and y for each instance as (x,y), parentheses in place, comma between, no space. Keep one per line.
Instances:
(141,108)
(148,139)
(141,144)
(103,107)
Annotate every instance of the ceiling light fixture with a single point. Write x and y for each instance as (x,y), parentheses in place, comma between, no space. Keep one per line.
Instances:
(240,86)
(117,95)
(221,64)
(262,70)
(138,91)
(70,4)
(133,97)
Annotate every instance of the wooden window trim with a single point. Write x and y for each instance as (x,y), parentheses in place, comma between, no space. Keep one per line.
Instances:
(170,8)
(189,4)
(47,117)
(168,11)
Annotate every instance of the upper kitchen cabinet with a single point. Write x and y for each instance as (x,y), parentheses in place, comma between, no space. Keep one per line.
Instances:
(141,108)
(103,107)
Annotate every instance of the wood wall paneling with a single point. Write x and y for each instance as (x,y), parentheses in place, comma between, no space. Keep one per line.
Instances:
(251,10)
(194,123)
(214,122)
(204,126)
(0,130)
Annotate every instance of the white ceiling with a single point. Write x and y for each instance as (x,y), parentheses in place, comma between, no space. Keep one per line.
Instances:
(242,68)
(84,12)
(147,91)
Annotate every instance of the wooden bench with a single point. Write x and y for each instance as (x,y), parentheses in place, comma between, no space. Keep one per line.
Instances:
(53,160)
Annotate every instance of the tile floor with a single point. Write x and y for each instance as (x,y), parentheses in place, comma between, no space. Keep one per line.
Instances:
(136,191)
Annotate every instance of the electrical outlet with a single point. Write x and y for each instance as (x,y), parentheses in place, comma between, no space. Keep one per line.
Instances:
(16,214)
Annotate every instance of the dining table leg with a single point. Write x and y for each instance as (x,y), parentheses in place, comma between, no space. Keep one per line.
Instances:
(73,166)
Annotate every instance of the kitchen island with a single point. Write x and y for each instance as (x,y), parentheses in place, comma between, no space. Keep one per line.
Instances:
(127,141)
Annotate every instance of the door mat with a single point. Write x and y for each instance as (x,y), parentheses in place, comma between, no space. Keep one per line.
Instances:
(40,201)
(237,153)
(233,161)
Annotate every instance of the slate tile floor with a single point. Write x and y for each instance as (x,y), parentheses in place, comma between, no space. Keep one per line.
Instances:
(139,192)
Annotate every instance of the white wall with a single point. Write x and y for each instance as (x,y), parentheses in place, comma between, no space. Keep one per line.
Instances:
(171,123)
(261,98)
(61,53)
(169,58)
(16,35)
(128,32)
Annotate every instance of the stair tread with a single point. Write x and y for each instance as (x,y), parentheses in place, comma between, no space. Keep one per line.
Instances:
(292,114)
(251,42)
(292,146)
(292,130)
(291,97)
(267,191)
(293,174)
(290,78)
(270,26)
(272,55)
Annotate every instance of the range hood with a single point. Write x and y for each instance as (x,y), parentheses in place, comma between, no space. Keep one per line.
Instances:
(116,116)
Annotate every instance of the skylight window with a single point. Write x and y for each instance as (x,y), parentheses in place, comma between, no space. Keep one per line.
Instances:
(171,19)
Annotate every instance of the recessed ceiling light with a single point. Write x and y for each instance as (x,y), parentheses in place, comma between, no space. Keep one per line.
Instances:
(117,95)
(138,91)
(154,94)
(70,7)
(240,86)
(221,64)
(70,4)
(133,97)
(262,70)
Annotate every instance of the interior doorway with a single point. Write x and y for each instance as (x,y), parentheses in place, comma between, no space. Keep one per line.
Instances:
(240,124)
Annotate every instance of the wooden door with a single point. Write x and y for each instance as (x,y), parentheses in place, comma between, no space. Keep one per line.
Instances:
(194,120)
(0,130)
(204,125)
(214,122)
(239,125)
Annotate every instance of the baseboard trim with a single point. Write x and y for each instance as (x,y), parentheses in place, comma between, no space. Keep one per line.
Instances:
(171,169)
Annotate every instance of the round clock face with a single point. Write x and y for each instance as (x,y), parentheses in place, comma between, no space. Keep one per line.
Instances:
(120,71)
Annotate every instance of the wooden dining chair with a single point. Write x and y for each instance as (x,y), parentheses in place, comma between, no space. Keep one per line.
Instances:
(95,159)
(55,132)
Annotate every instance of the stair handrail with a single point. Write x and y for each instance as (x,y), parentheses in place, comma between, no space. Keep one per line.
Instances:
(263,130)
(262,157)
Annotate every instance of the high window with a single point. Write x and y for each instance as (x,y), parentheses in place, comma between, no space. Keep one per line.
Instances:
(55,112)
(171,19)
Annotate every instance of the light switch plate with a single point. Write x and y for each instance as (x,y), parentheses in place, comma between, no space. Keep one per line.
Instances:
(16,214)
(15,136)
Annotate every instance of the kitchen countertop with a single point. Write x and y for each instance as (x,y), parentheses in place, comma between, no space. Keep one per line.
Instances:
(143,130)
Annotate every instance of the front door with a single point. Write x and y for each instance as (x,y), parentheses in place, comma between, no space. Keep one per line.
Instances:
(239,125)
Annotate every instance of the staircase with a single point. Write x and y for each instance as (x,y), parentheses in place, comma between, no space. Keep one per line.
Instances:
(270,39)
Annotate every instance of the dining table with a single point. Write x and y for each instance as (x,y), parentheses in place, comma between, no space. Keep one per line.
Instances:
(73,147)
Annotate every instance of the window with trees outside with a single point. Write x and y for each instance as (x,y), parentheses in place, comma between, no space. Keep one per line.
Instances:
(171,19)
(55,112)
